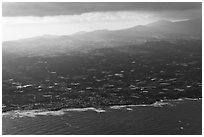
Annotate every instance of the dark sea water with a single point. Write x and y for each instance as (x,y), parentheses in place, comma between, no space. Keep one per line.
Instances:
(177,117)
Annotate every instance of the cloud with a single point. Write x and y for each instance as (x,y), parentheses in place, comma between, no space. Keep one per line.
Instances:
(76,8)
(83,18)
(30,26)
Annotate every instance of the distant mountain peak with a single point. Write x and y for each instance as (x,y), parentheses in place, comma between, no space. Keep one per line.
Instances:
(100,31)
(160,22)
(79,33)
(48,36)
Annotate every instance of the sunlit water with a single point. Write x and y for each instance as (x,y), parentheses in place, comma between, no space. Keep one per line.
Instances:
(168,117)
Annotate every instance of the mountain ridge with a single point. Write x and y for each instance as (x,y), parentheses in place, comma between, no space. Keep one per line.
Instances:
(157,31)
(153,24)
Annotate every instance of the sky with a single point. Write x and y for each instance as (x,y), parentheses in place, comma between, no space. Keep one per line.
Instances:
(29,19)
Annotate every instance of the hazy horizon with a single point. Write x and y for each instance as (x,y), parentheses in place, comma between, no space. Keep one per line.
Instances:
(87,31)
(22,20)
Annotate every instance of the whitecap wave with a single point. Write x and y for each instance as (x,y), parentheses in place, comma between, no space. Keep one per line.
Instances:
(156,104)
(174,100)
(85,109)
(129,109)
(194,99)
(34,113)
(182,99)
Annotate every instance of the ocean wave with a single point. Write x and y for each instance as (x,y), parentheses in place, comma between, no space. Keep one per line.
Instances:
(156,104)
(85,109)
(195,99)
(34,113)
(182,99)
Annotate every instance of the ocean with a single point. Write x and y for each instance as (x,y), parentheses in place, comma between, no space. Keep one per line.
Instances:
(172,117)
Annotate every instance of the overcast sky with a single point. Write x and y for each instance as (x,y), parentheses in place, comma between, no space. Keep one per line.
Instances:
(22,20)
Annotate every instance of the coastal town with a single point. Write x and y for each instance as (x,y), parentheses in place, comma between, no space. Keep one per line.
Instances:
(103,78)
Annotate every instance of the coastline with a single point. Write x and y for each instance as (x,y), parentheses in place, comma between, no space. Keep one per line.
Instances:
(44,112)
(180,117)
